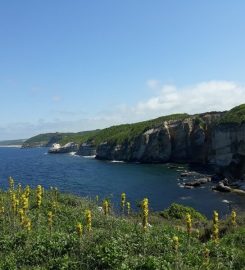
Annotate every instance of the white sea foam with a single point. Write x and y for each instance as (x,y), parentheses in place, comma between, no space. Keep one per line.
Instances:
(226,201)
(117,161)
(185,198)
(89,156)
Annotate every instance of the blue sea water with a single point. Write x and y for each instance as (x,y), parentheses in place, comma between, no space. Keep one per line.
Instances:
(90,177)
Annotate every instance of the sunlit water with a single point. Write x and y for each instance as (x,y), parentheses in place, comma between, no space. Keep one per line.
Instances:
(90,177)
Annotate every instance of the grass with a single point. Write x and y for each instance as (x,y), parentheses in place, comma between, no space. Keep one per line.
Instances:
(117,241)
(234,116)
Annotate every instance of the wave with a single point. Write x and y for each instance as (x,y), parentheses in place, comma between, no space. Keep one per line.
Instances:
(89,156)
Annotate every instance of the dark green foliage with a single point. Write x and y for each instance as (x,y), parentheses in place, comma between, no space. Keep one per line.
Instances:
(234,116)
(114,134)
(179,211)
(127,132)
(48,139)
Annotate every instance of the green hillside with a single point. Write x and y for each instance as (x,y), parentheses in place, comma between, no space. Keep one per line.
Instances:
(45,229)
(48,139)
(234,116)
(126,132)
(115,134)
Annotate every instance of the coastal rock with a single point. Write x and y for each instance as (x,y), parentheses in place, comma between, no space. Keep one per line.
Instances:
(86,149)
(197,182)
(186,141)
(67,148)
(222,187)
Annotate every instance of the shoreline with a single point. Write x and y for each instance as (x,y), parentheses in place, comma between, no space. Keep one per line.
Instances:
(11,146)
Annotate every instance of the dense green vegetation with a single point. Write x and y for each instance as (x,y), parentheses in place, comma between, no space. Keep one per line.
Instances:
(114,134)
(120,133)
(127,132)
(178,211)
(48,139)
(234,116)
(46,235)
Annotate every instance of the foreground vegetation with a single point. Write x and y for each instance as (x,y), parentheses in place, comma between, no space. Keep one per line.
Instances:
(46,229)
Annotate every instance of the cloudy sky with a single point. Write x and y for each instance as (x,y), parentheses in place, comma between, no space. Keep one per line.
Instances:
(80,65)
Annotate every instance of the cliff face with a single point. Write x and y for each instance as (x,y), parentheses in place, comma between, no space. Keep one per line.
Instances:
(185,141)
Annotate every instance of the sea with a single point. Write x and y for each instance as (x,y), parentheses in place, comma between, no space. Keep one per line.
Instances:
(86,176)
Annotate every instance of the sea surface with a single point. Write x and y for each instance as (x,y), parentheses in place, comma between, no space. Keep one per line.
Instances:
(90,177)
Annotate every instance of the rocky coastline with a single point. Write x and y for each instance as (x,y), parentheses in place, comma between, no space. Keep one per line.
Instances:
(215,139)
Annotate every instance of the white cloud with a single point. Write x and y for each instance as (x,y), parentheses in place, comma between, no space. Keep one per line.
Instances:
(202,97)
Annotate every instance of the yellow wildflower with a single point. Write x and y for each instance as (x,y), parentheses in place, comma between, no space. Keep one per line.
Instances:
(106,207)
(215,227)
(79,229)
(123,200)
(39,195)
(11,183)
(175,243)
(128,208)
(188,223)
(88,217)
(145,210)
(233,218)
(21,214)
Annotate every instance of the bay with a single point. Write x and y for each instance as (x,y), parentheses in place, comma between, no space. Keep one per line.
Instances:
(90,177)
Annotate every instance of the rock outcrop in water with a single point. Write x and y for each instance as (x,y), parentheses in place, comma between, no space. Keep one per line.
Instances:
(67,148)
(86,149)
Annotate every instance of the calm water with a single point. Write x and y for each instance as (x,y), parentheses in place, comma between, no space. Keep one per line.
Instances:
(90,177)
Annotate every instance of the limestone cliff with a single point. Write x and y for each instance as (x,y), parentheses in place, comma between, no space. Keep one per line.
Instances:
(192,140)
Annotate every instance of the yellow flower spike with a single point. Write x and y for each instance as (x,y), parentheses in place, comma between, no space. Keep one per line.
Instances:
(2,210)
(215,217)
(215,235)
(88,217)
(39,195)
(206,256)
(27,191)
(128,208)
(19,188)
(50,218)
(123,200)
(11,183)
(28,226)
(24,202)
(106,207)
(175,243)
(188,223)
(79,228)
(21,214)
(145,210)
(97,198)
(233,218)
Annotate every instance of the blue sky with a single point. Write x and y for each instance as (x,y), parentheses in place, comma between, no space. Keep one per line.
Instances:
(79,65)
